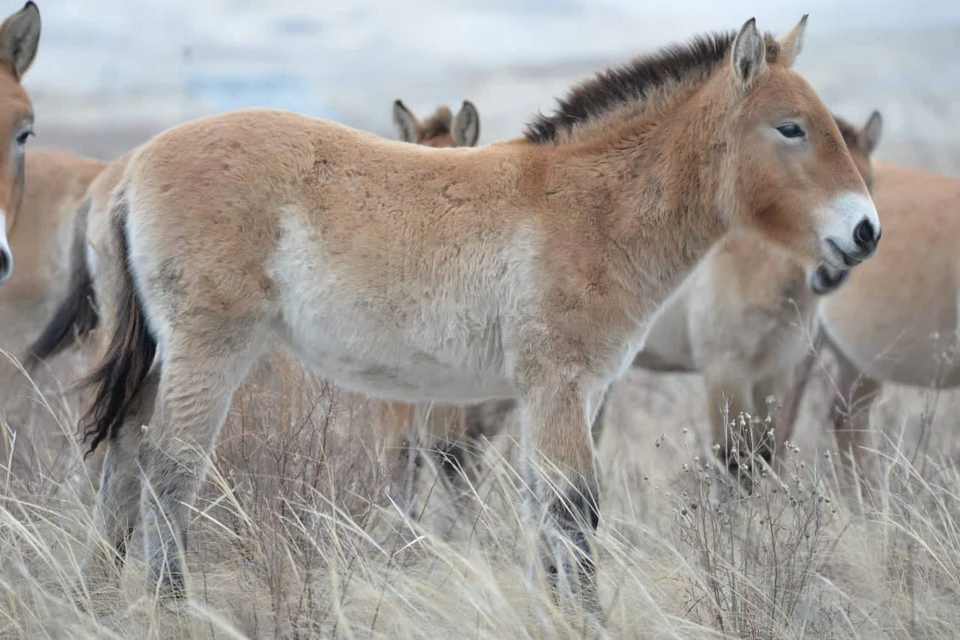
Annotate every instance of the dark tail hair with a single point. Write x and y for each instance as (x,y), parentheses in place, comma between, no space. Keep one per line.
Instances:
(77,314)
(118,378)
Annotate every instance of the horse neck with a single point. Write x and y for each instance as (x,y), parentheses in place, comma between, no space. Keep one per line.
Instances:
(655,190)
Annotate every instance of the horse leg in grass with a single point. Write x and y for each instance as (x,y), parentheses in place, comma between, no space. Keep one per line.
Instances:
(850,417)
(199,376)
(556,435)
(730,402)
(455,459)
(599,408)
(461,458)
(115,512)
(777,403)
(787,389)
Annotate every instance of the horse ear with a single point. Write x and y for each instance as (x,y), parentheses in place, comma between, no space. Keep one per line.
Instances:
(869,136)
(19,39)
(407,124)
(466,126)
(749,57)
(791,43)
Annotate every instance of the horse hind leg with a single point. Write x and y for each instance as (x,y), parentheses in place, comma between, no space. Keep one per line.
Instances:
(462,459)
(459,454)
(200,374)
(118,497)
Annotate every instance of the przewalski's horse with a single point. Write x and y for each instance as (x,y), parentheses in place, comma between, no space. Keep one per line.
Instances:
(746,320)
(526,268)
(86,304)
(451,433)
(897,320)
(39,190)
(54,187)
(83,310)
(440,129)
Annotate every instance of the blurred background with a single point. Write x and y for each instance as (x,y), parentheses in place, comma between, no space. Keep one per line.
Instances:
(110,73)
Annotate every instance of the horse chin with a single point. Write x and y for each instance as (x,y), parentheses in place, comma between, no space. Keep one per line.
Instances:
(826,279)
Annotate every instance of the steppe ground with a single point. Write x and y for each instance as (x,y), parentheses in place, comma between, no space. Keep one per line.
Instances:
(296,535)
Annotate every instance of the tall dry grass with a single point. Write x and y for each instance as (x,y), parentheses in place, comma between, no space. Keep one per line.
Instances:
(299,532)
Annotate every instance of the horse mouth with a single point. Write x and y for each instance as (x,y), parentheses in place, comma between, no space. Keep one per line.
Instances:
(826,279)
(846,260)
(6,265)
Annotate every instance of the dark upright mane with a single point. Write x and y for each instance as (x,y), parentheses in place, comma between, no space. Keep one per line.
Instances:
(631,82)
(438,124)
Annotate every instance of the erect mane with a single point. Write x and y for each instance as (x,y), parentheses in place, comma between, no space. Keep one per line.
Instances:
(632,82)
(438,124)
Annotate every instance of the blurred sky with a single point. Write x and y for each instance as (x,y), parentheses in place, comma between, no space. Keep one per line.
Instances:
(153,63)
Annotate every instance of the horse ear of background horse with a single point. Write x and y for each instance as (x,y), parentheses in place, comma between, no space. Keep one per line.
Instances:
(869,135)
(441,129)
(466,125)
(19,39)
(407,124)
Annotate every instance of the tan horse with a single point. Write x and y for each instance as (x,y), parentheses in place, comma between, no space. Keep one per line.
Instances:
(450,433)
(39,190)
(897,321)
(746,320)
(526,269)
(54,186)
(86,304)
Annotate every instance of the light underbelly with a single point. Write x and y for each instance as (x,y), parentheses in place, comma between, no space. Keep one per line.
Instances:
(416,380)
(431,358)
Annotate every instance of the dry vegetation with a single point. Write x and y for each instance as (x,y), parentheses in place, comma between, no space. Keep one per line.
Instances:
(296,534)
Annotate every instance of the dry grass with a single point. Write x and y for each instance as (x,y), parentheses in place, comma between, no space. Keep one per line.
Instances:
(296,535)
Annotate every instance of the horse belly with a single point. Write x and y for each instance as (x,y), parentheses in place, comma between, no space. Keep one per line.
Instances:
(362,359)
(402,328)
(440,356)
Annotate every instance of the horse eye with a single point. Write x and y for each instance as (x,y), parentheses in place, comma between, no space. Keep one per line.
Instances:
(22,138)
(791,130)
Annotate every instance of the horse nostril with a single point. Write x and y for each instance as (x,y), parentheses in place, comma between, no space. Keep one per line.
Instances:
(864,236)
